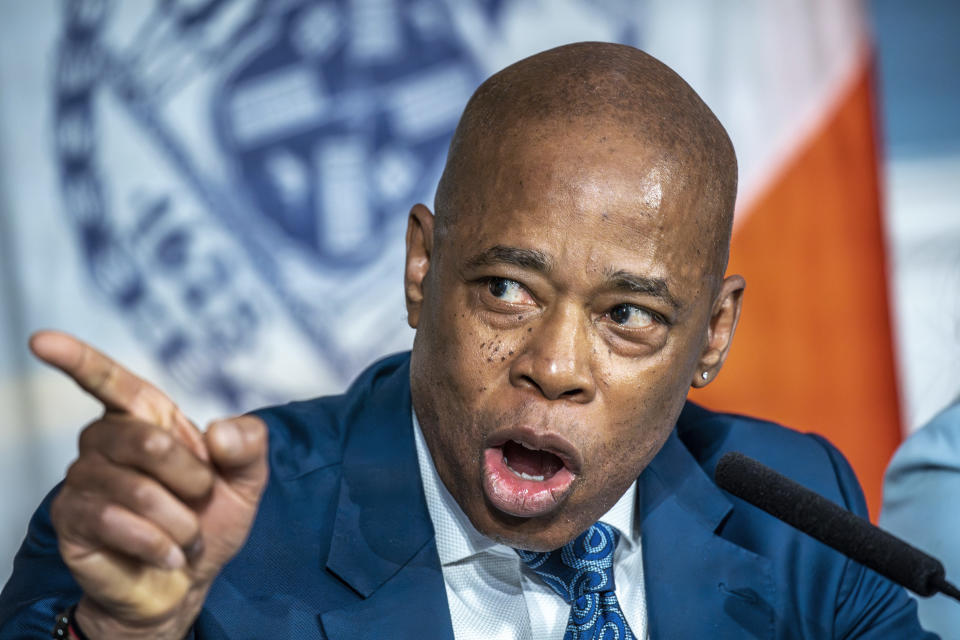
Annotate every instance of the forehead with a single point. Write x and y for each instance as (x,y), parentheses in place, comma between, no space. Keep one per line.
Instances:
(592,197)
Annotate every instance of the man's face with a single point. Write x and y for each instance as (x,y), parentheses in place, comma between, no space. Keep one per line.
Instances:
(565,312)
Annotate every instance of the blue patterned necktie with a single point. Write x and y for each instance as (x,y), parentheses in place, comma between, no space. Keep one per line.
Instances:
(581,572)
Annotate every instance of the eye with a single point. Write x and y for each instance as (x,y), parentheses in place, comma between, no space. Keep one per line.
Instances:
(509,291)
(631,316)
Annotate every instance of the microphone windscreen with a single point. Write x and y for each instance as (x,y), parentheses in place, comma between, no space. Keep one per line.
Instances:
(829,523)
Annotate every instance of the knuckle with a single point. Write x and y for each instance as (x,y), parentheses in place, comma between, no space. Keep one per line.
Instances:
(145,400)
(107,377)
(103,515)
(156,544)
(156,444)
(153,541)
(144,497)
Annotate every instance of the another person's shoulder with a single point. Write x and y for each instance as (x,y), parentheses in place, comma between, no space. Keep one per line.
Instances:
(923,477)
(920,486)
(806,458)
(934,447)
(309,434)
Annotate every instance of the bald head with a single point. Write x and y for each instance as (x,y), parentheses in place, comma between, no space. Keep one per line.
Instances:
(612,89)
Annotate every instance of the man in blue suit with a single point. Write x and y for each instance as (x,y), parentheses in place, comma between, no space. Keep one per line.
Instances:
(530,470)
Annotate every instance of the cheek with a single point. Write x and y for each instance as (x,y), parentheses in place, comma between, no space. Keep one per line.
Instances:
(622,456)
(639,386)
(460,362)
(476,357)
(497,348)
(641,401)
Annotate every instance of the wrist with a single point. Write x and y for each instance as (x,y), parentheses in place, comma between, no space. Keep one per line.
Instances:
(96,623)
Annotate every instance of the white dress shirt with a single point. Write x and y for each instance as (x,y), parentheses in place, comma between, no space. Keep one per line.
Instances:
(492,595)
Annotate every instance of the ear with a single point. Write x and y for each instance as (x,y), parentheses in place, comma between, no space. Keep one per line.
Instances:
(723,323)
(419,251)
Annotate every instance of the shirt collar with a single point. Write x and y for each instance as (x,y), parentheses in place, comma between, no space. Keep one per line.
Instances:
(457,539)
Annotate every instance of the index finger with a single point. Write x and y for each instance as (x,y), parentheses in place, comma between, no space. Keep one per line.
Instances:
(103,378)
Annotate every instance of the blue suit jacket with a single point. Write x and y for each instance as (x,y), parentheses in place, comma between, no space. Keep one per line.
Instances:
(343,547)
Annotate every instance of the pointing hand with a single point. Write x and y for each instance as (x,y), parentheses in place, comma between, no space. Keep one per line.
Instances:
(151,509)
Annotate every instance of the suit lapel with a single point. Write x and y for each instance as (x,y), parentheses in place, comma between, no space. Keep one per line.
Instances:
(698,585)
(383,543)
(410,604)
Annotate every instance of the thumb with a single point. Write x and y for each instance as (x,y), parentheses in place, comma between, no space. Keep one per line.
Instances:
(238,448)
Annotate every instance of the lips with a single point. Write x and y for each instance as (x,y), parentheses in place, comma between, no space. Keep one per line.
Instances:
(527,474)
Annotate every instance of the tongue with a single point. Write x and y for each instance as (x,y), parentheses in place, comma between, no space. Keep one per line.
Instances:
(534,463)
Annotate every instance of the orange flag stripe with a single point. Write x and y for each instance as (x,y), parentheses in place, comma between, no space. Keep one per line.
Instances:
(814,347)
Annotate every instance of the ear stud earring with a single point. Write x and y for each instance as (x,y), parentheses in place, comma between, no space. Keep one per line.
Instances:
(705,375)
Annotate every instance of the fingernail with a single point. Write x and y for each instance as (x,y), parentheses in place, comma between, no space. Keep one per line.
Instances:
(175,559)
(229,437)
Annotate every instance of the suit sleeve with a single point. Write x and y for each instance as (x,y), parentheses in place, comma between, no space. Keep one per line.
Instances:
(41,586)
(869,606)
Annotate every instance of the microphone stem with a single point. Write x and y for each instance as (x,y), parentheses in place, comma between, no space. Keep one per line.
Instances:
(944,587)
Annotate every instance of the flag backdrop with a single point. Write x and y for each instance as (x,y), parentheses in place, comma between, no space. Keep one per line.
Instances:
(215,193)
(814,348)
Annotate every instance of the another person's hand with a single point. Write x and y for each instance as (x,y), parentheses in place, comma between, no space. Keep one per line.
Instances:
(151,509)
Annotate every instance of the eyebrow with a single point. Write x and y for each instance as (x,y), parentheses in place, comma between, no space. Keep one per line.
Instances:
(499,254)
(657,287)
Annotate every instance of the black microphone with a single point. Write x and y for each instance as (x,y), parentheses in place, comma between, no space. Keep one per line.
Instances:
(832,525)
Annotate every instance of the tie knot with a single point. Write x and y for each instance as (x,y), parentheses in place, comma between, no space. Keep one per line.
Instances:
(584,565)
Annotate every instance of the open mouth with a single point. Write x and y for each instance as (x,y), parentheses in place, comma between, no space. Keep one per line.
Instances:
(529,463)
(527,475)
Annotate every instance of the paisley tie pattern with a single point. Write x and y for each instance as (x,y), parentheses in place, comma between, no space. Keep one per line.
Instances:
(581,572)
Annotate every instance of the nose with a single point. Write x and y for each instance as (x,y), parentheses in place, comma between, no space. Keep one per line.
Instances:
(555,360)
